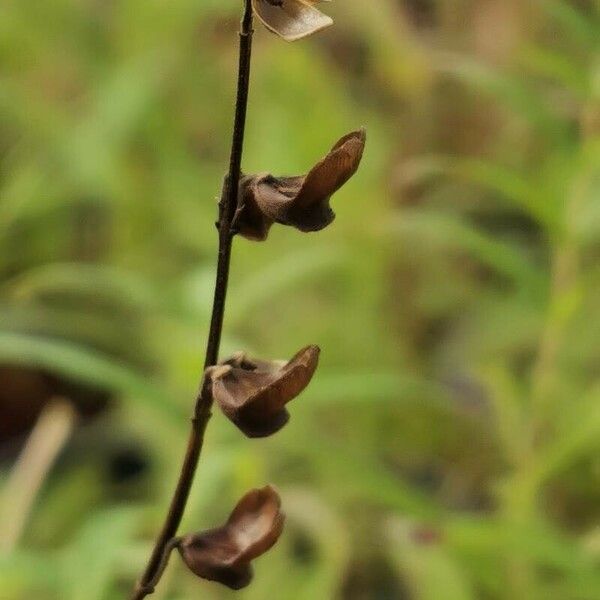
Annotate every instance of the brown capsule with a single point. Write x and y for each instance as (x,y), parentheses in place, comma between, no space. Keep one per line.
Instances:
(291,19)
(253,393)
(224,554)
(302,201)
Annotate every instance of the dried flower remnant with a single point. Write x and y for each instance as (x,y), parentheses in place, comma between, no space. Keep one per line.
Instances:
(253,393)
(224,554)
(291,19)
(302,201)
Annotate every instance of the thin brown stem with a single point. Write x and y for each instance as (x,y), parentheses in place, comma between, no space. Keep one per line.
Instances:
(202,411)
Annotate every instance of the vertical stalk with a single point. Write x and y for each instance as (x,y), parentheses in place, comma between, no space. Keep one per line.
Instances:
(202,411)
(520,504)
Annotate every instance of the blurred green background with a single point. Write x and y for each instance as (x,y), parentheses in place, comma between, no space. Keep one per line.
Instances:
(448,448)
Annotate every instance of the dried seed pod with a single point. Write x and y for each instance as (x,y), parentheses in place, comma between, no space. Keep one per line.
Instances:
(251,223)
(253,393)
(303,201)
(224,554)
(291,19)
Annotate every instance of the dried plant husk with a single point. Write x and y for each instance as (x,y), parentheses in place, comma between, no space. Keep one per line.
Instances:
(301,201)
(224,554)
(291,19)
(253,393)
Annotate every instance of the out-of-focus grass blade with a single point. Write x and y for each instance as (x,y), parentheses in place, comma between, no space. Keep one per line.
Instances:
(277,277)
(505,182)
(580,439)
(508,89)
(500,539)
(355,475)
(506,401)
(366,387)
(586,221)
(557,67)
(92,148)
(521,192)
(90,561)
(127,288)
(580,27)
(23,571)
(388,32)
(450,231)
(107,330)
(429,570)
(85,365)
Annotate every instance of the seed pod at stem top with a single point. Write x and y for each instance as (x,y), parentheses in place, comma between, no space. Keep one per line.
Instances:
(224,554)
(291,19)
(253,393)
(302,201)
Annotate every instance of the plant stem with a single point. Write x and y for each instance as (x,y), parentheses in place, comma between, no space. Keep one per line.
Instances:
(202,411)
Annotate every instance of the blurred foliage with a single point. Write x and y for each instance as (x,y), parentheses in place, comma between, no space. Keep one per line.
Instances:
(449,445)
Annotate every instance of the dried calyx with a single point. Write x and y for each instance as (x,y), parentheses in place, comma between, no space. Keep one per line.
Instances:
(253,393)
(302,201)
(224,554)
(291,19)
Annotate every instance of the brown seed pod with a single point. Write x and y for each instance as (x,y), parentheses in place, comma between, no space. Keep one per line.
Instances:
(302,201)
(253,393)
(291,19)
(224,554)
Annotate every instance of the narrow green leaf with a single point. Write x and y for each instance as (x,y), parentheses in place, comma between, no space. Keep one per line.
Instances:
(87,366)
